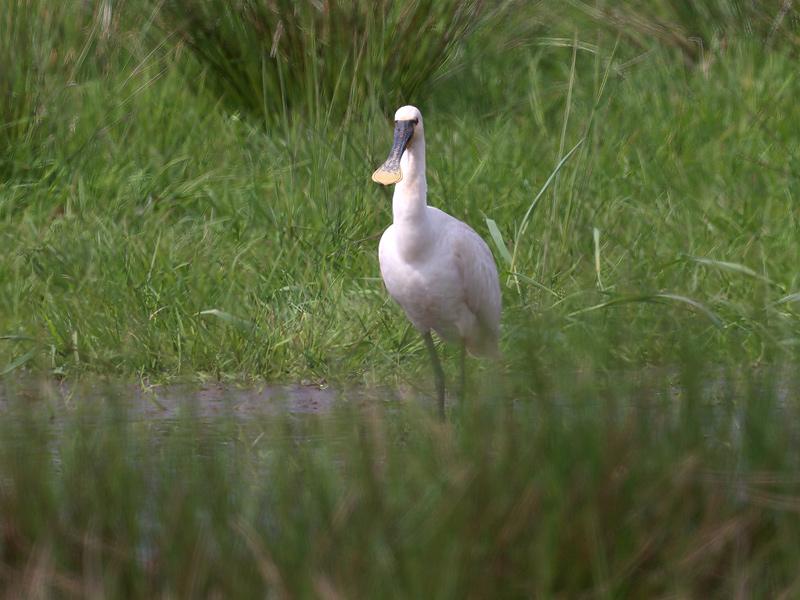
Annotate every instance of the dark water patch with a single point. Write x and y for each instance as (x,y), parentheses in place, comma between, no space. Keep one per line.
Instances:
(178,400)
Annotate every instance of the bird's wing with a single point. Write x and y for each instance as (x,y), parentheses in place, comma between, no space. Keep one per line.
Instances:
(481,286)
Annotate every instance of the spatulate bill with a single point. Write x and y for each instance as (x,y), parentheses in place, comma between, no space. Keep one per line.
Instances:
(389,172)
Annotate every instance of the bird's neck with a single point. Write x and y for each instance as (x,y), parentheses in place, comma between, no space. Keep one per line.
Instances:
(410,193)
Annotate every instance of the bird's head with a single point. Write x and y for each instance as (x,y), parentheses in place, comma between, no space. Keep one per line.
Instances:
(407,129)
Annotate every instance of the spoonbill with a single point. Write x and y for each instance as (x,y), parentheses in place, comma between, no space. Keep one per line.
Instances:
(434,266)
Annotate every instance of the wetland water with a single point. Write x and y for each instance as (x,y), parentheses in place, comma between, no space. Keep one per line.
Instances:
(719,394)
(171,401)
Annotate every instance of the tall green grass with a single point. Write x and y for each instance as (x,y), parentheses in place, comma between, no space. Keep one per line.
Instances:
(325,60)
(700,29)
(169,237)
(46,48)
(169,213)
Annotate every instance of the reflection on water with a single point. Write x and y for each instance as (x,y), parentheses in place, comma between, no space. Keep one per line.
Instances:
(170,401)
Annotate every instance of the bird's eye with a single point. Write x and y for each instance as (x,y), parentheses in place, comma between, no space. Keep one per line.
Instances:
(416,121)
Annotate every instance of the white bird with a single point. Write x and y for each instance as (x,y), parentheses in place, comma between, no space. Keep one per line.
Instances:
(434,266)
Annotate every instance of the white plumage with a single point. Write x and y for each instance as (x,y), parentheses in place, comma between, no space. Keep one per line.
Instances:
(436,267)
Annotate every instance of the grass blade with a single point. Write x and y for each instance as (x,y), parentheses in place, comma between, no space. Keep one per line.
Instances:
(230,319)
(790,298)
(497,238)
(523,226)
(15,364)
(733,268)
(16,338)
(699,307)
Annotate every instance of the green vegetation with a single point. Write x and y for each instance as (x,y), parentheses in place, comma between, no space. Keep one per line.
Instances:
(45,47)
(179,202)
(698,29)
(322,61)
(618,491)
(144,204)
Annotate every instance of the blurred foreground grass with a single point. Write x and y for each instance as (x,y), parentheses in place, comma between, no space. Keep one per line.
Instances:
(681,484)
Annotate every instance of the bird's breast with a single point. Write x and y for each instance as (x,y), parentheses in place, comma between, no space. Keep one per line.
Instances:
(426,285)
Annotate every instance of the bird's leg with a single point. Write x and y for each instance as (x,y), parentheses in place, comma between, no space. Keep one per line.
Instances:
(438,374)
(463,391)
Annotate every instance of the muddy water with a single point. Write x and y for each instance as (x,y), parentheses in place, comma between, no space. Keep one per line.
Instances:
(216,399)
(202,401)
(245,400)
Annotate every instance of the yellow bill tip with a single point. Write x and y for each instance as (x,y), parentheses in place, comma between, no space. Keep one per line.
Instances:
(385,177)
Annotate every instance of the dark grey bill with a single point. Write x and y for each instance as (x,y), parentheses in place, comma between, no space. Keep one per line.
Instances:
(389,172)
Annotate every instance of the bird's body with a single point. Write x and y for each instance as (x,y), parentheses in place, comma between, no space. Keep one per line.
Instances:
(443,276)
(434,266)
